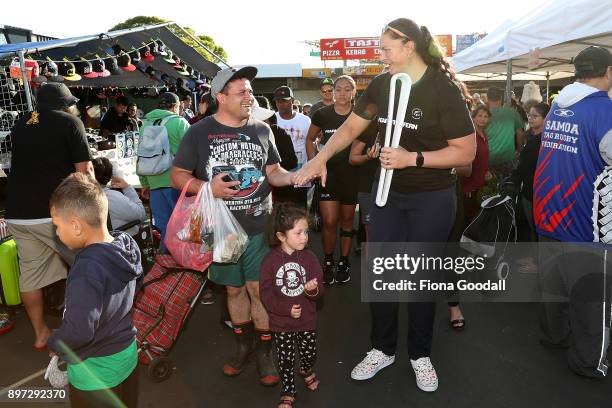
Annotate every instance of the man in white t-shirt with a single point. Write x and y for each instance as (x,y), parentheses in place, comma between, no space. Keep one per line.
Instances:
(296,125)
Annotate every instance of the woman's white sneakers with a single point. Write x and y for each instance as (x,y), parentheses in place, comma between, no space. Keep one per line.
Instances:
(374,361)
(425,373)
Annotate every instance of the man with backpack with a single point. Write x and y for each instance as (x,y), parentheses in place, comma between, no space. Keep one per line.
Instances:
(163,128)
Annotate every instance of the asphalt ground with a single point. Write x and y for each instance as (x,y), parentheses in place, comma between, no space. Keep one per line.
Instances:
(496,362)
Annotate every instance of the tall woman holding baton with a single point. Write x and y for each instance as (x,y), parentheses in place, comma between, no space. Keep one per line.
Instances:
(437,136)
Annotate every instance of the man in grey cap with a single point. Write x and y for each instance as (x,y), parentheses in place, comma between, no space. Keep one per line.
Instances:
(48,145)
(237,155)
(158,188)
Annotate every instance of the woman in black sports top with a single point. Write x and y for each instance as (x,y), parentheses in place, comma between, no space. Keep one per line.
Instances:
(337,200)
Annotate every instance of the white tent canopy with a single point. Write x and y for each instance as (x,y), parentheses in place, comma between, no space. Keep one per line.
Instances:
(545,40)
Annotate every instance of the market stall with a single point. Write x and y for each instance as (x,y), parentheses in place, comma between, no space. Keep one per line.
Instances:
(139,62)
(542,43)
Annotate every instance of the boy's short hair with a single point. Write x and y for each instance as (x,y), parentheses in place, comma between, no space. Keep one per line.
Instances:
(81,196)
(103,169)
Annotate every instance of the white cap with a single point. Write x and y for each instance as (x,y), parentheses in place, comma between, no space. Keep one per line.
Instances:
(260,113)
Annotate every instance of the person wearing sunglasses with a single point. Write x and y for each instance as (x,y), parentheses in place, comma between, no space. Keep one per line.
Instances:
(326,90)
(437,136)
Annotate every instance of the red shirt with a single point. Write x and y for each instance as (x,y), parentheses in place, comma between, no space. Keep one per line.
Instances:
(281,285)
(480,165)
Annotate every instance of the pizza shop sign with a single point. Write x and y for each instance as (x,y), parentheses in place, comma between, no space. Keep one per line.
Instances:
(350,48)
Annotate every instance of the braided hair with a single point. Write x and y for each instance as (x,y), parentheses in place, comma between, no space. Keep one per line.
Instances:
(427,47)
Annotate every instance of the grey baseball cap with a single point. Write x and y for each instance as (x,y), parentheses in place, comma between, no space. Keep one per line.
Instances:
(227,74)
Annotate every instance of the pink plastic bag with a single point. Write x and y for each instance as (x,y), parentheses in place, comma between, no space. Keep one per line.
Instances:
(187,253)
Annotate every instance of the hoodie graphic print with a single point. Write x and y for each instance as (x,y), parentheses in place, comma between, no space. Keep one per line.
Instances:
(281,285)
(571,174)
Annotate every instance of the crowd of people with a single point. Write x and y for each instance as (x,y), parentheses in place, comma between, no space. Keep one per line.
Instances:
(453,144)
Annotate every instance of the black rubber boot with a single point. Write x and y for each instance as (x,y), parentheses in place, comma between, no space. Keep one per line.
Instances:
(266,366)
(244,347)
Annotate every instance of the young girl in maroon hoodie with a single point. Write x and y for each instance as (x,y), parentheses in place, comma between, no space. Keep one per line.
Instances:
(290,282)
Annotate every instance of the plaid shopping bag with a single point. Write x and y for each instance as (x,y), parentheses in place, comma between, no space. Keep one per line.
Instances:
(163,304)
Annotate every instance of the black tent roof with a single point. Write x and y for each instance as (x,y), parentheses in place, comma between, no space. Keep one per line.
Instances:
(104,42)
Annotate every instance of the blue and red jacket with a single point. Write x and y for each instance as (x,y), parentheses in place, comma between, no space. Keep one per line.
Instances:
(572,172)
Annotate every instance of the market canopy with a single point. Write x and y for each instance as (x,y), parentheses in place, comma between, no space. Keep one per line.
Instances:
(88,47)
(545,40)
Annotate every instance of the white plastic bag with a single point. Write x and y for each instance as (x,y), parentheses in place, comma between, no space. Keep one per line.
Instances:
(229,240)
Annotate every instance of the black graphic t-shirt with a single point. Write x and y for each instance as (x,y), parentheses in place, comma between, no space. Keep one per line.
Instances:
(328,120)
(46,146)
(210,148)
(436,113)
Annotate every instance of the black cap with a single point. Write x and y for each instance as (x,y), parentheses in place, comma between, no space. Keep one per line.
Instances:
(326,81)
(592,62)
(111,64)
(283,92)
(154,48)
(51,71)
(165,78)
(169,98)
(68,71)
(149,70)
(145,54)
(54,95)
(161,47)
(117,49)
(135,56)
(85,69)
(125,62)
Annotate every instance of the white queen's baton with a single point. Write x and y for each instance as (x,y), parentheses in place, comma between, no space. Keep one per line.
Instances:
(384,183)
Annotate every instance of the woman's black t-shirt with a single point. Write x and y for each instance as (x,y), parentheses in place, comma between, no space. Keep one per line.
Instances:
(368,170)
(436,112)
(329,121)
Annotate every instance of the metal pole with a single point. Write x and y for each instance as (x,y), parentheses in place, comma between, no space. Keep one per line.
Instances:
(203,46)
(508,83)
(24,77)
(547,86)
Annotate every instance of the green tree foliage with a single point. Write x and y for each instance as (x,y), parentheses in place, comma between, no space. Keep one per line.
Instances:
(204,39)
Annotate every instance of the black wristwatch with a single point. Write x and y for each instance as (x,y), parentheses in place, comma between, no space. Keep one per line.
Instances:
(420,159)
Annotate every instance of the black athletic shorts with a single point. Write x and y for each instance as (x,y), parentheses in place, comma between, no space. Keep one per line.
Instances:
(340,187)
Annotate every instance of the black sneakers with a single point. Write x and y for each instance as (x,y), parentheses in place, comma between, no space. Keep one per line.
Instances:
(343,272)
(328,272)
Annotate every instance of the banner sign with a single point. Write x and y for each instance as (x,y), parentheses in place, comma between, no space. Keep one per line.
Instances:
(467,40)
(446,42)
(316,73)
(350,48)
(363,70)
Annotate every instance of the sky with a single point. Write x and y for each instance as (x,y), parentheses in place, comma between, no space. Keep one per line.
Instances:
(271,32)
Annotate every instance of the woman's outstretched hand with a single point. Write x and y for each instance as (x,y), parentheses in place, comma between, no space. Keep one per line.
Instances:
(311,170)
